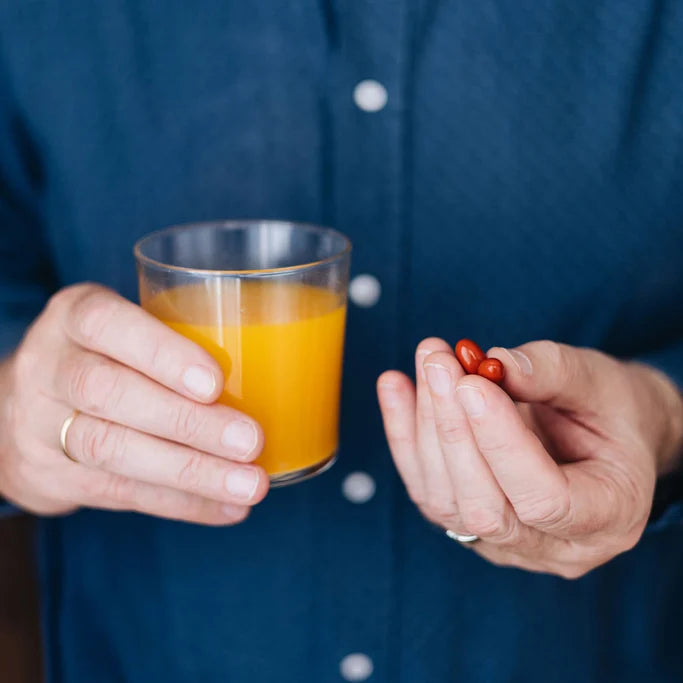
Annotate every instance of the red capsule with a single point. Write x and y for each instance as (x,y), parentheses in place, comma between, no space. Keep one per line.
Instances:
(470,355)
(492,369)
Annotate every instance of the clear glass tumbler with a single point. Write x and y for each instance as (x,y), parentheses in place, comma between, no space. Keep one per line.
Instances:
(267,299)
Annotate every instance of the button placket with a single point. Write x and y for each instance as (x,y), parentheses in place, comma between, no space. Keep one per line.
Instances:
(366,124)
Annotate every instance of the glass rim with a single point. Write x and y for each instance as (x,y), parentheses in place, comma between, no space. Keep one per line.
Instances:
(147,261)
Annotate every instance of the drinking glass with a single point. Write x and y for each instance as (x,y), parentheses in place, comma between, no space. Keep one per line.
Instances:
(267,299)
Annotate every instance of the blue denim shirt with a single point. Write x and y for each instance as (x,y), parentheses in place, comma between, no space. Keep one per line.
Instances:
(552,130)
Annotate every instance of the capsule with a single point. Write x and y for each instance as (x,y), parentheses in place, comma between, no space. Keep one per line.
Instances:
(492,369)
(470,355)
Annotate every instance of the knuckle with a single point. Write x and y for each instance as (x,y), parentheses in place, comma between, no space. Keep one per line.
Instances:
(439,516)
(64,297)
(440,510)
(93,386)
(102,445)
(492,444)
(192,509)
(450,431)
(543,512)
(398,438)
(190,475)
(186,421)
(120,490)
(157,356)
(92,310)
(483,521)
(425,412)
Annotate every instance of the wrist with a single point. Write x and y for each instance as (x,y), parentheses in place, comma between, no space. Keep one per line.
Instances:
(666,409)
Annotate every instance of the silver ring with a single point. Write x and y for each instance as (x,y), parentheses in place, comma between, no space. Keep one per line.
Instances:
(64,431)
(461,538)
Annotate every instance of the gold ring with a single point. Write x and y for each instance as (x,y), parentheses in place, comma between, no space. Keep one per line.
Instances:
(64,431)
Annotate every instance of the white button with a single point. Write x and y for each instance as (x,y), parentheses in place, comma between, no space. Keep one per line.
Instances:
(356,667)
(370,95)
(365,290)
(358,487)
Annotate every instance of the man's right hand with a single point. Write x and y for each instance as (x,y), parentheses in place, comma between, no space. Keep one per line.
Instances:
(148,435)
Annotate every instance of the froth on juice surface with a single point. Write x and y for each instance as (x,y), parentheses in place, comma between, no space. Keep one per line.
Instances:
(280,347)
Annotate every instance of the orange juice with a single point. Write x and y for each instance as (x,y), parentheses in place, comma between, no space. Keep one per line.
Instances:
(280,347)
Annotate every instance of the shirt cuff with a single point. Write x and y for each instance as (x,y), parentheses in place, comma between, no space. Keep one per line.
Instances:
(667,507)
(671,517)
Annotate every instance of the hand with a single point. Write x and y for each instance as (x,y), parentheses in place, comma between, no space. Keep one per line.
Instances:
(149,436)
(559,483)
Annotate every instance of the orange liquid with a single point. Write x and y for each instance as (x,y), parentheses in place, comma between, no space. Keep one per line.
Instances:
(280,347)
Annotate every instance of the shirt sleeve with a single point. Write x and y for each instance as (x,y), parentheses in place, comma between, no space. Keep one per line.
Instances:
(26,276)
(669,361)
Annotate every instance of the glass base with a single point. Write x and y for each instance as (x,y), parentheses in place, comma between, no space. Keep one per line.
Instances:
(287,478)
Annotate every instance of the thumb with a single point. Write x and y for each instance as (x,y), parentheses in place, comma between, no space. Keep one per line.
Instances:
(565,377)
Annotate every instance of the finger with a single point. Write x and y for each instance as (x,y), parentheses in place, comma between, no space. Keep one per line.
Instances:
(482,505)
(106,446)
(529,477)
(396,395)
(103,388)
(562,376)
(439,502)
(113,492)
(100,320)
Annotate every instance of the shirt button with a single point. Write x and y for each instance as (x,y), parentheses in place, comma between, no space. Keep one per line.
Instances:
(365,290)
(356,667)
(370,96)
(358,487)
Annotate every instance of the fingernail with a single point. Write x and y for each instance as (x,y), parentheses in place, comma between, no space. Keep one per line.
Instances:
(522,361)
(199,381)
(242,483)
(421,355)
(438,378)
(241,437)
(472,400)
